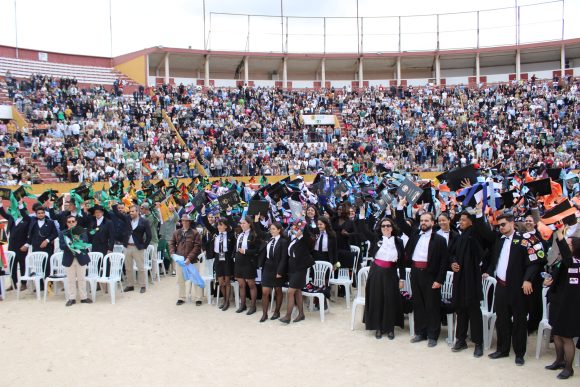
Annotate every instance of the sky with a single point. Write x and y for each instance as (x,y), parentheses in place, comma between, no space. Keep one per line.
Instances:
(84,26)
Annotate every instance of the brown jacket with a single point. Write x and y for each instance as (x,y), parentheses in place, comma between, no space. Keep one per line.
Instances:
(186,243)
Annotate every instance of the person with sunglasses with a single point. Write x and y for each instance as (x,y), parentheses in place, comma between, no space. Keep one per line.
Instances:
(514,264)
(383,306)
(75,259)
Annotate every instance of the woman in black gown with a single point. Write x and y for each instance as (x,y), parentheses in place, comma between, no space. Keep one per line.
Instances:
(248,246)
(383,306)
(221,246)
(296,264)
(565,290)
(272,261)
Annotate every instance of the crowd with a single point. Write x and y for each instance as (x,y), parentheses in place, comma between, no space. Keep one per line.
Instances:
(525,241)
(96,134)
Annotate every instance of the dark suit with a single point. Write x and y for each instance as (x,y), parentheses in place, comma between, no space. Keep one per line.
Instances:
(426,300)
(102,237)
(18,237)
(510,303)
(467,252)
(141,234)
(329,256)
(37,235)
(223,268)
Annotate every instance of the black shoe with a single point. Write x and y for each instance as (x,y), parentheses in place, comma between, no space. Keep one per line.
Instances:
(87,301)
(251,311)
(241,309)
(417,339)
(299,318)
(180,302)
(70,303)
(478,352)
(285,320)
(225,307)
(432,343)
(221,306)
(555,366)
(497,355)
(566,374)
(520,361)
(129,289)
(275,316)
(143,290)
(459,346)
(391,335)
(379,334)
(264,318)
(198,303)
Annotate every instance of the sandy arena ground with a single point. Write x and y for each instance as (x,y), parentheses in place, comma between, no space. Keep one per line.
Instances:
(146,340)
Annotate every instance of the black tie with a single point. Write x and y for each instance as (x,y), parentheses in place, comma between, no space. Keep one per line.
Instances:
(241,240)
(221,243)
(320,241)
(272,244)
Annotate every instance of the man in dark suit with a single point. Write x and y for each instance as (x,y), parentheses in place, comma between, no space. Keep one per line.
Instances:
(101,231)
(466,254)
(135,242)
(426,252)
(514,263)
(75,261)
(71,209)
(41,235)
(18,231)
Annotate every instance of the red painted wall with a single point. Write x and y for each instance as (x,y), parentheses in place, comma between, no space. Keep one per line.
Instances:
(53,57)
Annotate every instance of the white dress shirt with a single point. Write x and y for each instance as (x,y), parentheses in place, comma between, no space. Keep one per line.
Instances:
(269,246)
(134,224)
(444,234)
(504,257)
(223,236)
(324,237)
(292,243)
(388,250)
(99,221)
(422,248)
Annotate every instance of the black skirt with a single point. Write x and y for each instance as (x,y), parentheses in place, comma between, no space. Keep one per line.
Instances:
(245,267)
(297,279)
(223,268)
(383,306)
(269,273)
(565,319)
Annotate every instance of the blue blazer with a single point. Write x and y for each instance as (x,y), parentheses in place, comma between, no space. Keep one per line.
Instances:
(68,255)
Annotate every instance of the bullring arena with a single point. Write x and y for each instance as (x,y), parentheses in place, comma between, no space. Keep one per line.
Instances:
(334,107)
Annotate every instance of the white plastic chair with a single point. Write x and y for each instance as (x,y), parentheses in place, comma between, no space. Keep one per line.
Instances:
(236,287)
(446,294)
(10,255)
(147,264)
(115,260)
(35,265)
(207,275)
(345,277)
(93,272)
(407,288)
(487,311)
(362,276)
(57,274)
(321,270)
(366,258)
(118,249)
(544,327)
(160,266)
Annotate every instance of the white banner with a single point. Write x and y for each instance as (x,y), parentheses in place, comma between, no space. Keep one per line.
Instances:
(318,119)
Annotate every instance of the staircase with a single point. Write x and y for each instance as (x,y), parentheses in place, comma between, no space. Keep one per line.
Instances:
(45,174)
(338,116)
(4,100)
